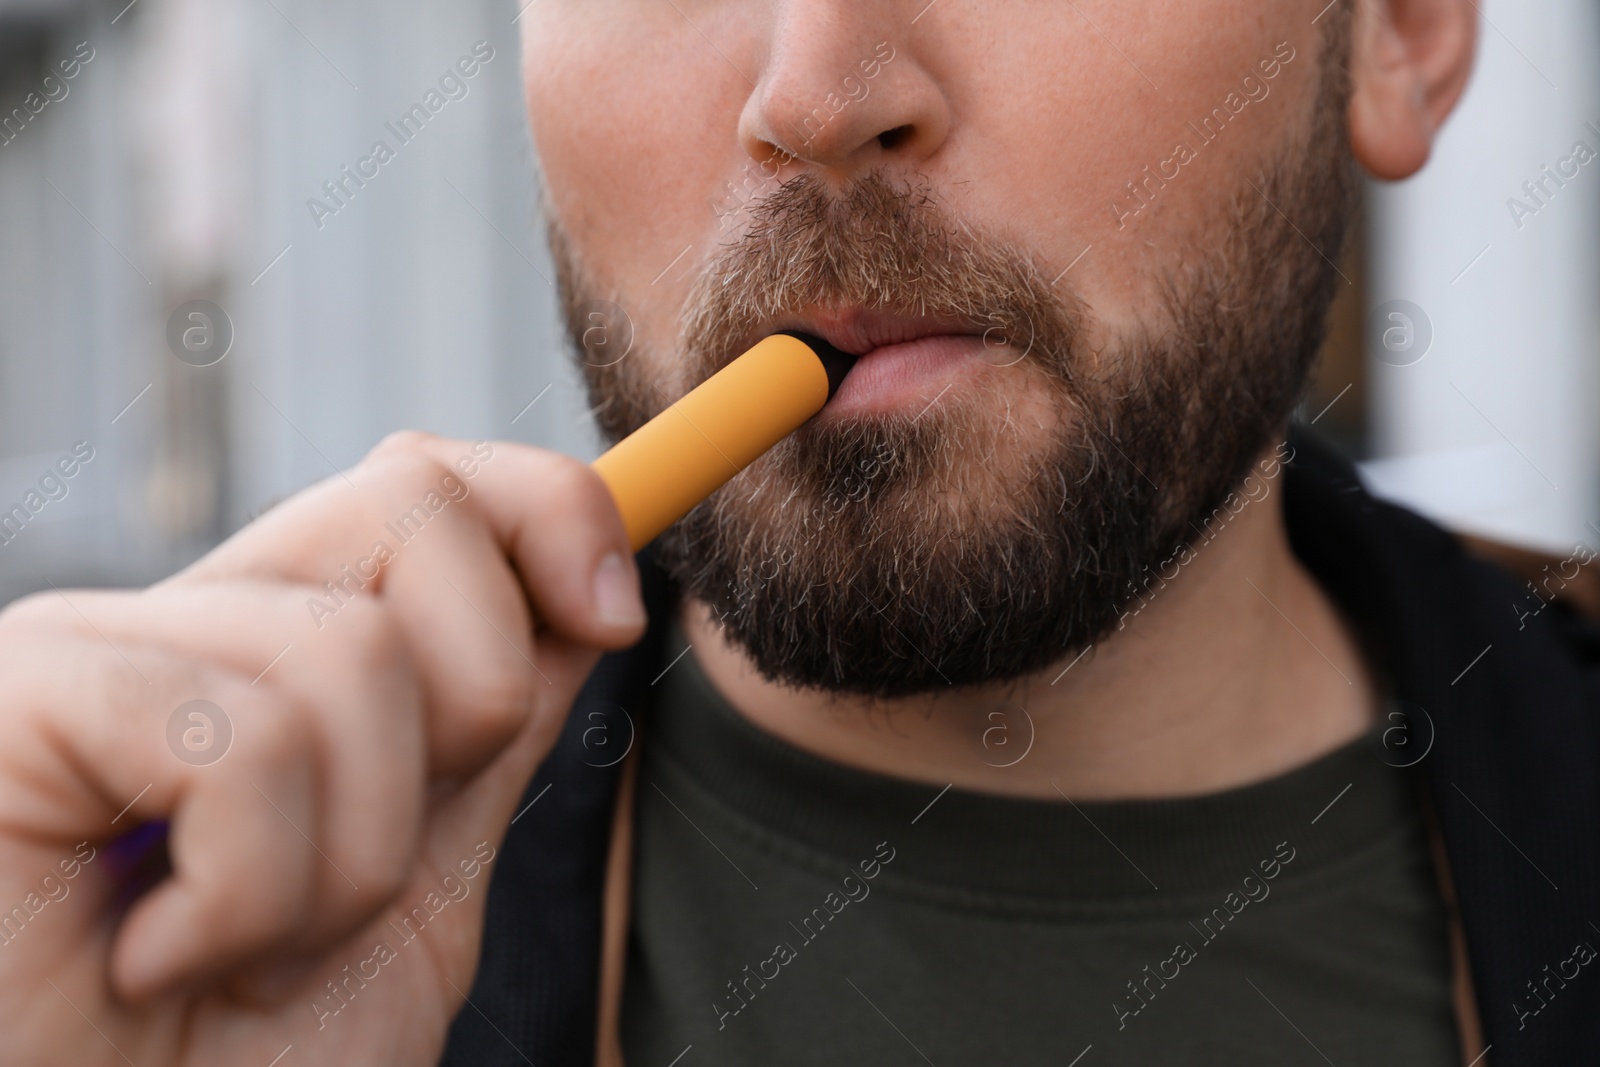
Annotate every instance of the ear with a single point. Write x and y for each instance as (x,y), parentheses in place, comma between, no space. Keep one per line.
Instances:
(1409,62)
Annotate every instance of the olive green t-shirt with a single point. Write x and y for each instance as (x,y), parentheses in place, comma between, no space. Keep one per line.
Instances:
(788,910)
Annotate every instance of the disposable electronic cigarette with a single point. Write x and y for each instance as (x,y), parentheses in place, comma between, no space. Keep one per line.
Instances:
(663,469)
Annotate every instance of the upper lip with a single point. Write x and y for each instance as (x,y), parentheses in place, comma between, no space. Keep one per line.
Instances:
(857,331)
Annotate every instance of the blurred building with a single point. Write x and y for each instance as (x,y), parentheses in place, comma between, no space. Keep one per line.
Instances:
(178,171)
(178,167)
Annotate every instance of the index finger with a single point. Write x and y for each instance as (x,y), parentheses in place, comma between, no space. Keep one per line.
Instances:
(549,514)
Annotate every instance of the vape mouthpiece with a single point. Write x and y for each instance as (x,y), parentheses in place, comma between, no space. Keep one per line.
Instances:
(658,473)
(836,363)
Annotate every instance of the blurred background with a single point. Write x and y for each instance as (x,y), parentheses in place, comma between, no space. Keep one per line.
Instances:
(164,159)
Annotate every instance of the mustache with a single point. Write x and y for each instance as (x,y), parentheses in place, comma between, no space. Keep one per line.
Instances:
(877,245)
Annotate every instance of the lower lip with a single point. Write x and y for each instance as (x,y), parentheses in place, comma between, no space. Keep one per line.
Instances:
(909,375)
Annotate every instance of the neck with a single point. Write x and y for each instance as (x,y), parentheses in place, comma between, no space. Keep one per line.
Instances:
(1237,670)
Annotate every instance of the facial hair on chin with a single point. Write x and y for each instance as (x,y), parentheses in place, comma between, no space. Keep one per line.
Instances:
(893,555)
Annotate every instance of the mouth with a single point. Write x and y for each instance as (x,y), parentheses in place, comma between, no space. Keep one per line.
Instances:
(904,362)
(861,331)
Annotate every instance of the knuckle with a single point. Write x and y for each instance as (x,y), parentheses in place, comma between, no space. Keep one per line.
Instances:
(405,459)
(574,484)
(360,901)
(379,879)
(371,639)
(278,739)
(499,698)
(401,443)
(410,481)
(407,473)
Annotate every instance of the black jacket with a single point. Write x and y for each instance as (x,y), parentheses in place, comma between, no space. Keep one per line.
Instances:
(1509,703)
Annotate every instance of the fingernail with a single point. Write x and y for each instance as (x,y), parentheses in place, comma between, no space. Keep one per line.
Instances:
(616,594)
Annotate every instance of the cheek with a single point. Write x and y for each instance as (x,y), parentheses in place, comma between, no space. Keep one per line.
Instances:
(597,121)
(635,122)
(1060,130)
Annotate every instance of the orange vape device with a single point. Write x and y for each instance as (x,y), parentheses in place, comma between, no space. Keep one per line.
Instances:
(663,469)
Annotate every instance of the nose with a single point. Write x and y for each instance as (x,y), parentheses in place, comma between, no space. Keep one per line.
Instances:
(843,90)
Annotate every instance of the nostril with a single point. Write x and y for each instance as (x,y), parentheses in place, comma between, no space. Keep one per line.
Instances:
(891,139)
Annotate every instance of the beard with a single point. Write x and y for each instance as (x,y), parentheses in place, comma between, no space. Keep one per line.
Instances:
(1006,525)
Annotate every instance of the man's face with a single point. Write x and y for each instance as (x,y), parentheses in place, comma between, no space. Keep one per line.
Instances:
(1127,221)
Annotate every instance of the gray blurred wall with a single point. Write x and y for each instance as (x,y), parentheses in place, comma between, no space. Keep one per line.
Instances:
(178,167)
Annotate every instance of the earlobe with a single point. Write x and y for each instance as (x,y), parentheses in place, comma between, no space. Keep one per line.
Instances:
(1409,63)
(1390,132)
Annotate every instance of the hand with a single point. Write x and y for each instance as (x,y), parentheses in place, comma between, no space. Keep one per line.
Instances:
(378,699)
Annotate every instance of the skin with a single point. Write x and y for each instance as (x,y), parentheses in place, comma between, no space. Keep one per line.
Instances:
(381,750)
(1175,703)
(385,748)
